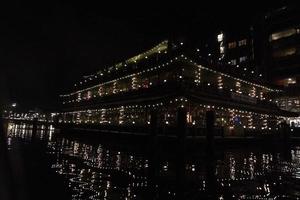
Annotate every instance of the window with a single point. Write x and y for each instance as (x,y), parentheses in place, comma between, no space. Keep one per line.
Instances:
(220,37)
(243,42)
(282,34)
(222,50)
(287,81)
(243,59)
(233,62)
(284,52)
(291,81)
(89,95)
(297,102)
(231,45)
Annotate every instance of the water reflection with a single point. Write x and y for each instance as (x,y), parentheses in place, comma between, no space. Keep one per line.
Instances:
(99,171)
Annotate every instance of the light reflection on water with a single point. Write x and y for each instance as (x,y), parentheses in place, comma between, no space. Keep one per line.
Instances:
(96,171)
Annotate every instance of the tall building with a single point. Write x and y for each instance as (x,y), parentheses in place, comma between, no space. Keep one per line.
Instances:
(237,50)
(268,46)
(282,32)
(282,55)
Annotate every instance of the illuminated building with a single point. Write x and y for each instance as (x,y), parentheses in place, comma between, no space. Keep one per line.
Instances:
(282,30)
(269,46)
(169,76)
(238,49)
(282,43)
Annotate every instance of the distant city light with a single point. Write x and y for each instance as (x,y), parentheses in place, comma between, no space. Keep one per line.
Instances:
(14,105)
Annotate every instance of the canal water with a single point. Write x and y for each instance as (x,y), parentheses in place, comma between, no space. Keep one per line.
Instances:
(48,165)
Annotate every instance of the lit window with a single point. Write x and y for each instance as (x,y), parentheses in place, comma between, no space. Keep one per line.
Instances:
(89,94)
(243,59)
(231,45)
(287,81)
(284,52)
(290,81)
(243,42)
(233,62)
(220,37)
(282,34)
(222,49)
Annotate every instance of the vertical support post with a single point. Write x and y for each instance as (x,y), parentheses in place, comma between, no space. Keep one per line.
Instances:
(286,133)
(210,162)
(153,123)
(180,157)
(210,125)
(56,121)
(181,124)
(34,128)
(286,138)
(153,154)
(47,128)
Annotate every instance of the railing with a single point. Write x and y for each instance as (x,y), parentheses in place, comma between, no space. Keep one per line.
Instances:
(171,87)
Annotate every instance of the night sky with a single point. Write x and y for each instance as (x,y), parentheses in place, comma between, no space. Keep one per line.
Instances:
(46,47)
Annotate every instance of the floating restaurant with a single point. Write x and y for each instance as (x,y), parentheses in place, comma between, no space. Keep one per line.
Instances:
(169,77)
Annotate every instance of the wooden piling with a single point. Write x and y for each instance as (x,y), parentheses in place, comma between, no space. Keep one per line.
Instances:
(34,128)
(286,132)
(181,124)
(153,154)
(210,126)
(180,157)
(210,153)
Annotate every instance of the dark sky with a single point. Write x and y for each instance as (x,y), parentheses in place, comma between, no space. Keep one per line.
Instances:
(44,47)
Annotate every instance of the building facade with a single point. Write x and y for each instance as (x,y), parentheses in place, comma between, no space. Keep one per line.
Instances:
(165,78)
(237,49)
(270,47)
(282,47)
(282,31)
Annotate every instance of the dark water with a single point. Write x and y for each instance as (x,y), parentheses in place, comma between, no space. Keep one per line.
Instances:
(45,166)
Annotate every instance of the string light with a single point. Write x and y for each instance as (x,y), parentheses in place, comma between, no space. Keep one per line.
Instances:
(136,111)
(220,82)
(135,81)
(166,64)
(238,87)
